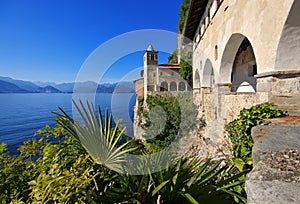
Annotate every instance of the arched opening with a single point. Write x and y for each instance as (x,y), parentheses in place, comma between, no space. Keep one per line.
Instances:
(197,80)
(288,50)
(244,69)
(238,64)
(208,75)
(173,86)
(181,86)
(164,86)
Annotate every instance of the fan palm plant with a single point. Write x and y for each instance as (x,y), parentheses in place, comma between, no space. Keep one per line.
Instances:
(187,180)
(98,136)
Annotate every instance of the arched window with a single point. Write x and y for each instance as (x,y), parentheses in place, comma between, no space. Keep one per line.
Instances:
(181,86)
(173,86)
(164,86)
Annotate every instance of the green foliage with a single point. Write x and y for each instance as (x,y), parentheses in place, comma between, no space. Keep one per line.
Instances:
(173,59)
(240,131)
(186,68)
(66,171)
(140,104)
(163,125)
(14,177)
(183,14)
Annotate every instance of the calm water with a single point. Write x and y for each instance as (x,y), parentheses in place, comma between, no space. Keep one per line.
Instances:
(21,115)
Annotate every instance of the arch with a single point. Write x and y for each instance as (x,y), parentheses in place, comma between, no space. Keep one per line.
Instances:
(244,68)
(208,78)
(197,79)
(164,86)
(228,57)
(288,50)
(238,63)
(181,86)
(173,86)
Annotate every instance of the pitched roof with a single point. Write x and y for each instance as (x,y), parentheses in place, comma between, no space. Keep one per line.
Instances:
(150,48)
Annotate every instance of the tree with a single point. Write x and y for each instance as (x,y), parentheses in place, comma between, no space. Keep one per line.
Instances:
(186,68)
(173,59)
(183,14)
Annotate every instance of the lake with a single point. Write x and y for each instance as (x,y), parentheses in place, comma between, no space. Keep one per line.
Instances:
(21,115)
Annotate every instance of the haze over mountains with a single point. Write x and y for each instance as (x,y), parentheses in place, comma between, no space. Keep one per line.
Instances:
(9,85)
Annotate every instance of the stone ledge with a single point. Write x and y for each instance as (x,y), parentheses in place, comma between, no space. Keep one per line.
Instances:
(279,74)
(276,134)
(272,192)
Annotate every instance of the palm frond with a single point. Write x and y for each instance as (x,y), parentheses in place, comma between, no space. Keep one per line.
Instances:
(98,136)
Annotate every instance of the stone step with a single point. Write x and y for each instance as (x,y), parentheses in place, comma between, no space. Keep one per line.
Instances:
(275,177)
(272,186)
(289,103)
(277,134)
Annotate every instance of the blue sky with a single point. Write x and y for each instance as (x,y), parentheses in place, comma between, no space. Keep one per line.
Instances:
(49,40)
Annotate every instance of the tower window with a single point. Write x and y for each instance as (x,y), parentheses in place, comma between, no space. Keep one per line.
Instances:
(152,56)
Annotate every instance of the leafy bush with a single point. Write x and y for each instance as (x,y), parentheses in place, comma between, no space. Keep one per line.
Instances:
(66,171)
(239,131)
(169,121)
(186,68)
(183,14)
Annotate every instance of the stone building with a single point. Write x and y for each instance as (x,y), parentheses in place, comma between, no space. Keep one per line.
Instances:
(244,53)
(156,79)
(159,77)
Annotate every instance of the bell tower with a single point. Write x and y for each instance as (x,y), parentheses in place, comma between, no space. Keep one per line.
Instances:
(150,69)
(150,56)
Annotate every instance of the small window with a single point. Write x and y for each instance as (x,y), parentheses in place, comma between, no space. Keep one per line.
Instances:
(160,73)
(152,57)
(216,52)
(154,74)
(172,73)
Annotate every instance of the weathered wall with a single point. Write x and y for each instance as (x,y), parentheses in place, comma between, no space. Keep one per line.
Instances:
(217,109)
(272,30)
(261,21)
(139,87)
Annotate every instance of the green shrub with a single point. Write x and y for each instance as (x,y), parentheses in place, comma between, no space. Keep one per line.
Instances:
(239,131)
(176,117)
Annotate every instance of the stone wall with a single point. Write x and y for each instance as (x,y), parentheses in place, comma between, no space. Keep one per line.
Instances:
(216,110)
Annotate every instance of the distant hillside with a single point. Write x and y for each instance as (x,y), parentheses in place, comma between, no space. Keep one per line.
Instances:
(65,87)
(20,86)
(7,87)
(26,85)
(48,89)
(44,84)
(125,87)
(89,87)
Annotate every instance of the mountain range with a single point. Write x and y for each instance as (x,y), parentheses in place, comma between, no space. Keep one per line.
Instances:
(9,85)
